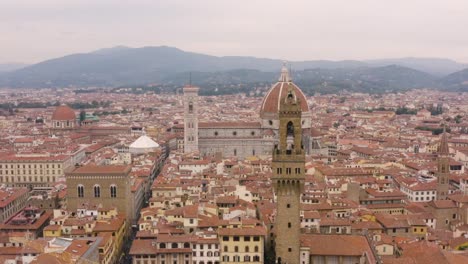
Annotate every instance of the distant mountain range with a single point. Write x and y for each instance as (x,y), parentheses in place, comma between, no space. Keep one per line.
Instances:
(7,67)
(120,66)
(457,81)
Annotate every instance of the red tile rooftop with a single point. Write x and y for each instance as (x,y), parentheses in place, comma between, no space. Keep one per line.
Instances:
(104,169)
(337,245)
(8,195)
(63,113)
(26,223)
(270,104)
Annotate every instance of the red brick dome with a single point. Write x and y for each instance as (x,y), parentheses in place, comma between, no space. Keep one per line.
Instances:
(271,101)
(63,112)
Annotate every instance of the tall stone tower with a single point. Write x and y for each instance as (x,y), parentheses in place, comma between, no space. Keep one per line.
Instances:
(190,119)
(288,179)
(443,168)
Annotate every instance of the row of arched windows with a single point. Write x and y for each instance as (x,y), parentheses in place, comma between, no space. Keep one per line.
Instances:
(97,191)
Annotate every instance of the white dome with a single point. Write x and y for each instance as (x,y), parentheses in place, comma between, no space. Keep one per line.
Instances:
(143,144)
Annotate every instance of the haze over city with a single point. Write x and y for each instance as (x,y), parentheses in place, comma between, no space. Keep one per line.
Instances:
(33,31)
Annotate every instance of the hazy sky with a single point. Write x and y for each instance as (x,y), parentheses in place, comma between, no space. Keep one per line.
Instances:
(34,30)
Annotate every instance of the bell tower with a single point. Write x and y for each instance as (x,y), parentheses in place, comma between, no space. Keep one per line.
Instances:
(288,179)
(443,168)
(190,119)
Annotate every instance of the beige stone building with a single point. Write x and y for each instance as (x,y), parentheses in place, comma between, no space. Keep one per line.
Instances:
(104,187)
(242,244)
(12,200)
(30,170)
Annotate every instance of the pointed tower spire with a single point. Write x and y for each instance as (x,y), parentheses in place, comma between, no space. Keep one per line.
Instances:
(284,74)
(444,148)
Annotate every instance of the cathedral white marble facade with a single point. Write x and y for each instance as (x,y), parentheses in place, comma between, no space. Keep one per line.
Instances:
(243,139)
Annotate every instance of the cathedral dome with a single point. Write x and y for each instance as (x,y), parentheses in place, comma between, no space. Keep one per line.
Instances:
(271,102)
(63,112)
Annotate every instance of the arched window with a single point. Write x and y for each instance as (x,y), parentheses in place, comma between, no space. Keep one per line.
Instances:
(190,107)
(290,129)
(80,189)
(225,248)
(186,245)
(246,258)
(209,254)
(113,191)
(162,245)
(246,248)
(97,191)
(256,258)
(174,245)
(290,95)
(256,248)
(226,258)
(236,249)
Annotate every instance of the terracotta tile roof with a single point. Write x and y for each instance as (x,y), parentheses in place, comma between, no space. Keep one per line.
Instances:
(426,252)
(442,204)
(63,112)
(7,196)
(109,225)
(147,247)
(104,169)
(337,245)
(270,104)
(369,225)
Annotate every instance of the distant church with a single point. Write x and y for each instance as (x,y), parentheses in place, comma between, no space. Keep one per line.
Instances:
(243,139)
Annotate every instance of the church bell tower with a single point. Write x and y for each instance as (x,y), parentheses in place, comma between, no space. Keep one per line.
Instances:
(190,119)
(443,168)
(288,179)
